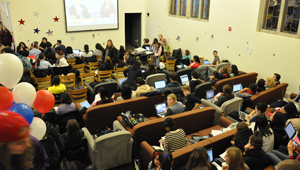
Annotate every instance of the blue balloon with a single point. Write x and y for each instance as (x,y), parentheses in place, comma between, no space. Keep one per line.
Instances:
(23,110)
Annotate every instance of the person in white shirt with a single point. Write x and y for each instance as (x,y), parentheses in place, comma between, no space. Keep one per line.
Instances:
(61,61)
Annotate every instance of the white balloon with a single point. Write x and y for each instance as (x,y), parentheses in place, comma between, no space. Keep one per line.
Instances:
(38,128)
(24,93)
(11,70)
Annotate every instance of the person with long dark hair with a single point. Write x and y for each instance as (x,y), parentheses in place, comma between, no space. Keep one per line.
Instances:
(61,61)
(260,85)
(122,52)
(74,134)
(107,65)
(69,53)
(195,64)
(154,164)
(28,77)
(67,104)
(223,97)
(214,78)
(87,53)
(174,138)
(111,51)
(234,71)
(142,87)
(126,93)
(42,45)
(22,49)
(247,92)
(165,160)
(266,132)
(199,159)
(5,36)
(42,63)
(132,73)
(277,124)
(121,64)
(99,50)
(130,60)
(104,96)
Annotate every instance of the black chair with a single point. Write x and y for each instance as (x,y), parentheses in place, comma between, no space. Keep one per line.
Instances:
(62,119)
(176,90)
(62,70)
(40,73)
(200,90)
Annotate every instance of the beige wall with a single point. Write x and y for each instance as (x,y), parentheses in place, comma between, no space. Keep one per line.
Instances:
(242,16)
(49,9)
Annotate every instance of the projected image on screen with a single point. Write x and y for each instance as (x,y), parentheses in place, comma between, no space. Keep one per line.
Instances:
(87,15)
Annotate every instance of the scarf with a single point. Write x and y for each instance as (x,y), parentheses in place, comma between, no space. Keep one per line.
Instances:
(57,61)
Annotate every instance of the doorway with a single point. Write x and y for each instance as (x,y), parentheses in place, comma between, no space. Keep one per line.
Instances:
(133,32)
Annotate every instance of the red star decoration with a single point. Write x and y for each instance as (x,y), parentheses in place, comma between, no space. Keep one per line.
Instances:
(56,19)
(21,21)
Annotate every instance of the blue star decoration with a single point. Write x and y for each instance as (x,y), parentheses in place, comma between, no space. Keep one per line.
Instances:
(36,30)
(178,38)
(73,38)
(49,32)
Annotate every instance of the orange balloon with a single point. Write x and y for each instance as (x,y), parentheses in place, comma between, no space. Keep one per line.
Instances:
(6,98)
(44,101)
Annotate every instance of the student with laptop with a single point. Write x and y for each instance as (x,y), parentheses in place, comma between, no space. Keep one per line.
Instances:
(223,97)
(126,93)
(247,92)
(174,106)
(200,158)
(195,64)
(260,110)
(67,104)
(277,124)
(242,135)
(173,83)
(132,73)
(192,102)
(142,87)
(194,81)
(214,78)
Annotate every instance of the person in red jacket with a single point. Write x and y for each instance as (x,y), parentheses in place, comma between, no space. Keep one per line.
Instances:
(195,64)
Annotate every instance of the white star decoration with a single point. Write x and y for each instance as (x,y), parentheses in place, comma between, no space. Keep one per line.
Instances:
(73,38)
(36,14)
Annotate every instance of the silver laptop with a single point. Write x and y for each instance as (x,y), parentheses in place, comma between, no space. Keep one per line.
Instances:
(85,104)
(76,51)
(161,109)
(236,88)
(185,79)
(242,115)
(210,94)
(159,85)
(206,62)
(148,48)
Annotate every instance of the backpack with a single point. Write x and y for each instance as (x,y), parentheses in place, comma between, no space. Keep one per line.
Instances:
(140,118)
(126,119)
(25,61)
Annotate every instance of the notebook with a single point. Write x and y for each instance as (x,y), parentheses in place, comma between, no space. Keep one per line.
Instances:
(161,109)
(121,80)
(210,94)
(160,84)
(291,132)
(85,104)
(242,115)
(76,51)
(206,62)
(236,88)
(210,154)
(185,79)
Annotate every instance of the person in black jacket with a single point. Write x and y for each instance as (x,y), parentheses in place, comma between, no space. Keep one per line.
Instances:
(151,70)
(242,135)
(194,81)
(277,124)
(132,73)
(254,156)
(22,49)
(111,51)
(107,65)
(42,45)
(192,102)
(122,52)
(260,85)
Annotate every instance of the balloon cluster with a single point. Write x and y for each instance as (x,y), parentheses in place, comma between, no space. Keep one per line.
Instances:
(23,95)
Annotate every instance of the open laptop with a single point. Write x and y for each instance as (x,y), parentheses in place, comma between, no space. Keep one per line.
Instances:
(210,154)
(236,88)
(85,104)
(206,62)
(185,79)
(76,51)
(159,85)
(242,115)
(121,80)
(161,109)
(210,94)
(291,132)
(148,48)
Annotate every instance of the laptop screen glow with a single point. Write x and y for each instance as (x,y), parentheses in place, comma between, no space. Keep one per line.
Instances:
(237,87)
(210,155)
(210,94)
(85,104)
(160,84)
(147,48)
(160,108)
(121,80)
(290,130)
(76,51)
(184,78)
(206,62)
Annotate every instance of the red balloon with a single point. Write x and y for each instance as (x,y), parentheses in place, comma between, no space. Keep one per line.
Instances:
(6,98)
(44,101)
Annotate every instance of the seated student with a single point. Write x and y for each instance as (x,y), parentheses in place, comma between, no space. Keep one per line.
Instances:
(292,115)
(195,64)
(174,106)
(34,50)
(255,157)
(288,164)
(199,159)
(234,159)
(22,49)
(242,135)
(69,53)
(122,53)
(130,60)
(28,77)
(126,93)
(132,73)
(186,55)
(61,61)
(107,65)
(276,77)
(260,85)
(87,53)
(104,96)
(270,82)
(142,87)
(260,110)
(195,80)
(42,63)
(165,160)
(174,138)
(223,97)
(50,53)
(154,164)
(67,104)
(151,70)
(234,71)
(146,43)
(247,92)
(277,124)
(214,78)
(121,64)
(99,50)
(57,87)
(173,83)
(216,60)
(266,132)
(224,73)
(192,102)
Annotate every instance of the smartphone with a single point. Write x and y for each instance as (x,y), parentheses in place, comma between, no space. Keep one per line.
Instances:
(295,143)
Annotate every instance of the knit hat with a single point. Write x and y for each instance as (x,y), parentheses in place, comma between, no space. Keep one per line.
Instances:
(10,125)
